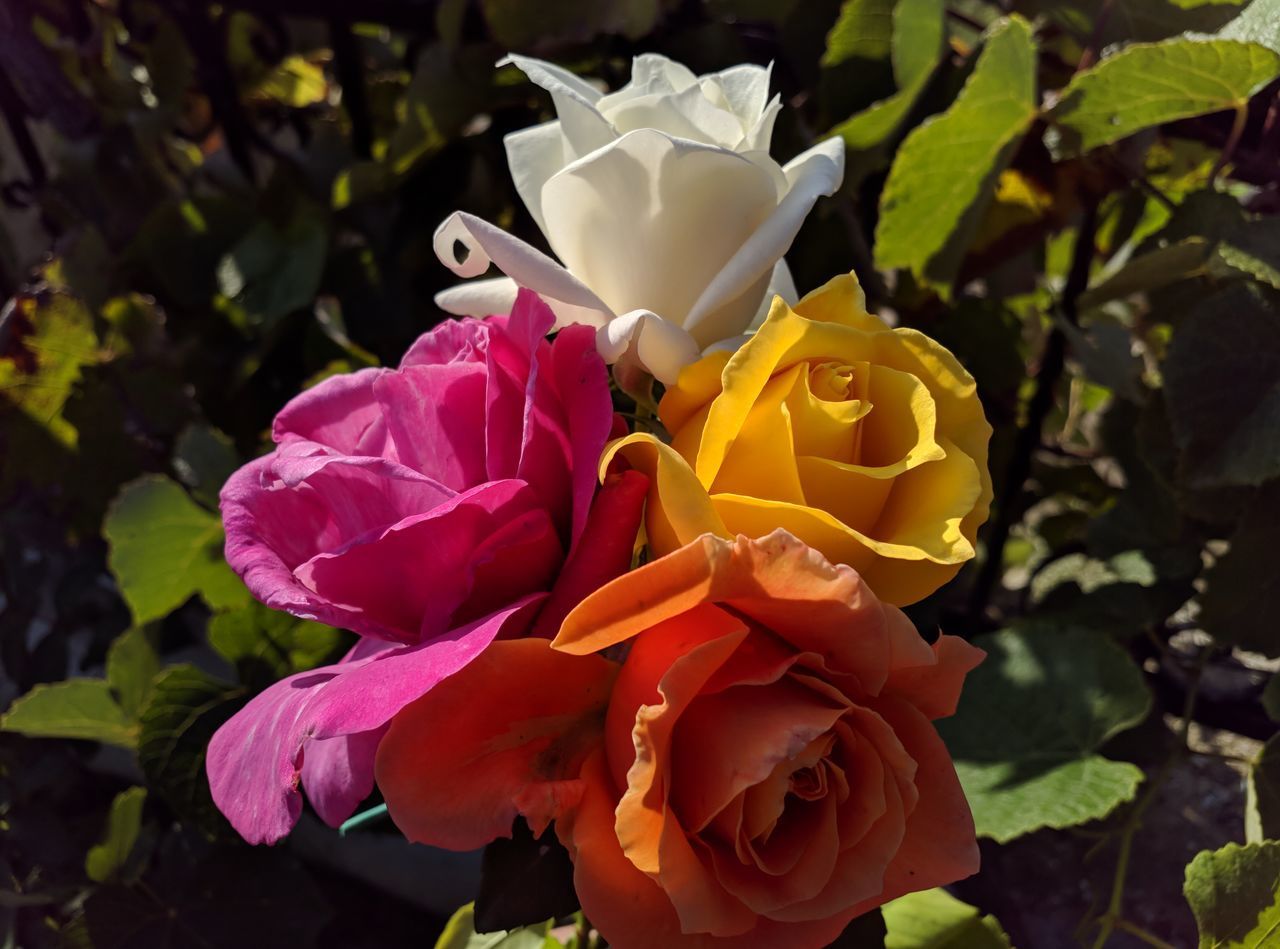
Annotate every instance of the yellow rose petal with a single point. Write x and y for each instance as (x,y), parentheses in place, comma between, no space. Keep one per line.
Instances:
(679,509)
(766,434)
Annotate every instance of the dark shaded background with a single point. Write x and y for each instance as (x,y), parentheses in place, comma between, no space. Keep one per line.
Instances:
(208,207)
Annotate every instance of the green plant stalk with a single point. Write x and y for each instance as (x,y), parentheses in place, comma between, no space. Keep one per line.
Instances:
(1137,932)
(1233,139)
(1112,918)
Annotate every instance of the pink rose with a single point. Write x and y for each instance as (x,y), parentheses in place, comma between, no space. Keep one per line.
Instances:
(428,508)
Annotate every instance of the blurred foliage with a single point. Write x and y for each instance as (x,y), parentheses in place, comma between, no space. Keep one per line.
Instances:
(207,207)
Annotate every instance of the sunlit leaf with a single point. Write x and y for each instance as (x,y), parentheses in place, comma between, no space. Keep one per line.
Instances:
(1259,22)
(1152,83)
(919,32)
(945,172)
(265,645)
(132,664)
(295,83)
(165,549)
(934,919)
(460,933)
(861,32)
(50,340)
(1235,895)
(110,861)
(74,708)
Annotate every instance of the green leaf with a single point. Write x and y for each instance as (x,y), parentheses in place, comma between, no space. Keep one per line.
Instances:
(1259,23)
(1104,350)
(1262,807)
(132,664)
(873,125)
(1152,83)
(1159,268)
(1252,249)
(1121,595)
(1031,720)
(274,270)
(48,342)
(1222,384)
(934,919)
(460,933)
(1235,896)
(1271,698)
(1193,4)
(187,706)
(919,36)
(944,175)
(74,708)
(863,31)
(109,861)
(329,319)
(265,645)
(1129,22)
(1240,606)
(1242,245)
(164,549)
(204,458)
(295,83)
(459,929)
(182,242)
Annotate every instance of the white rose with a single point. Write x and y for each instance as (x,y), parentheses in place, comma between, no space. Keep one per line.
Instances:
(660,200)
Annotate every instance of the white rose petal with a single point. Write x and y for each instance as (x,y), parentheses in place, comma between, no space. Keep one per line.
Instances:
(649,222)
(661,347)
(668,215)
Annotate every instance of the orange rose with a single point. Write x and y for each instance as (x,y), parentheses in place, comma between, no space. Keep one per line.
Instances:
(758,771)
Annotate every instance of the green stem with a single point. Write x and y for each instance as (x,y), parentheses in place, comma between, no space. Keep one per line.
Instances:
(1112,918)
(1233,139)
(1137,932)
(364,817)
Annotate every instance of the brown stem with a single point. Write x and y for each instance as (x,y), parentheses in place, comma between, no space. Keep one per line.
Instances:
(1011,501)
(961,17)
(1090,53)
(1233,139)
(1137,932)
(206,38)
(355,100)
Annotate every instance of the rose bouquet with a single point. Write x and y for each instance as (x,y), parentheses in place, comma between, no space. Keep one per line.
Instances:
(673,644)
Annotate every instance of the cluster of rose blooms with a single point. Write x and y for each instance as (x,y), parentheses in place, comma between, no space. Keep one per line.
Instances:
(733,739)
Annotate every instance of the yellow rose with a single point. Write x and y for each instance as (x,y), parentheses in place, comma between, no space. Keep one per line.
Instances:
(866,442)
